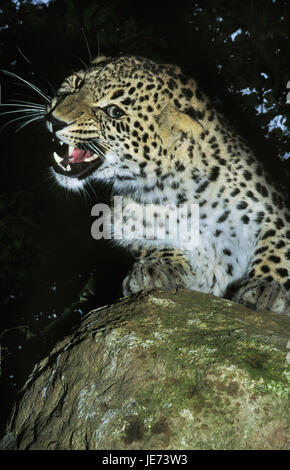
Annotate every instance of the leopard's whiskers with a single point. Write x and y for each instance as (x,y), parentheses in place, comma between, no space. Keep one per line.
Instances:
(35,118)
(45,96)
(30,112)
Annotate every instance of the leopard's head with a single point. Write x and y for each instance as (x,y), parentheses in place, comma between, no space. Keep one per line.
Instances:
(122,120)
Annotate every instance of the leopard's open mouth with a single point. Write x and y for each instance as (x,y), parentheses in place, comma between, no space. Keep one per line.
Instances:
(76,162)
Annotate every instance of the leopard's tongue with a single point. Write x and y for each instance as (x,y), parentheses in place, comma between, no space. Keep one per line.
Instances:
(79,155)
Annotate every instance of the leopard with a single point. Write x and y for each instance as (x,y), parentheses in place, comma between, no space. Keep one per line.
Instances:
(151,133)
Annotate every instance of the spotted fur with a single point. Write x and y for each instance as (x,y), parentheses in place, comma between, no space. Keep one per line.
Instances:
(171,146)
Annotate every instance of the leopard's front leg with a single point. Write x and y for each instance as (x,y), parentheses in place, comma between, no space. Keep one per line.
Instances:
(158,269)
(260,294)
(267,286)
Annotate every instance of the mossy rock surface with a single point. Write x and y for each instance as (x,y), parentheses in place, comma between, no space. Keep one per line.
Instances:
(164,370)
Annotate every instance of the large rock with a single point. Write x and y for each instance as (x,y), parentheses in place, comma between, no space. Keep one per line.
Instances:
(167,370)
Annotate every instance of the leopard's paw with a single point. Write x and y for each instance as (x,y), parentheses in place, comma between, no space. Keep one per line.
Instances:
(148,276)
(260,294)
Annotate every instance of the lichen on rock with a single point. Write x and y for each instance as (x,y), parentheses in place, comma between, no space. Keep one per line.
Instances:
(163,370)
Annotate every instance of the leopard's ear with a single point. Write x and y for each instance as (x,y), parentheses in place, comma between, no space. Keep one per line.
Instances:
(175,124)
(99,59)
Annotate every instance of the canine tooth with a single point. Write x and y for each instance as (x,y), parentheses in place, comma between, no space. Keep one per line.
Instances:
(68,168)
(71,149)
(91,158)
(56,157)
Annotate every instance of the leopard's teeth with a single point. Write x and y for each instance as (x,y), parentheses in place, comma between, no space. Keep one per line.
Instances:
(57,158)
(59,161)
(70,149)
(91,158)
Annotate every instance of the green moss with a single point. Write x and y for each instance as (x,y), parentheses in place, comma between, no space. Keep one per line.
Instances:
(167,373)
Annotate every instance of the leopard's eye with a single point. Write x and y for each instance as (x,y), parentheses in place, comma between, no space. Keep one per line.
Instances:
(113,111)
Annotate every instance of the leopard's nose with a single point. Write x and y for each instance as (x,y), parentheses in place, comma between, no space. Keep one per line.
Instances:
(57,124)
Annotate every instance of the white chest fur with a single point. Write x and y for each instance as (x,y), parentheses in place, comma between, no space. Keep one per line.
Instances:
(221,255)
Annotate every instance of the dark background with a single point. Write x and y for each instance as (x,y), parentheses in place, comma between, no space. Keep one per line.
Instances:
(239,51)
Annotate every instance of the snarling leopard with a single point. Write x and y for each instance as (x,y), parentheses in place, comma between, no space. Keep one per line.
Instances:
(150,132)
